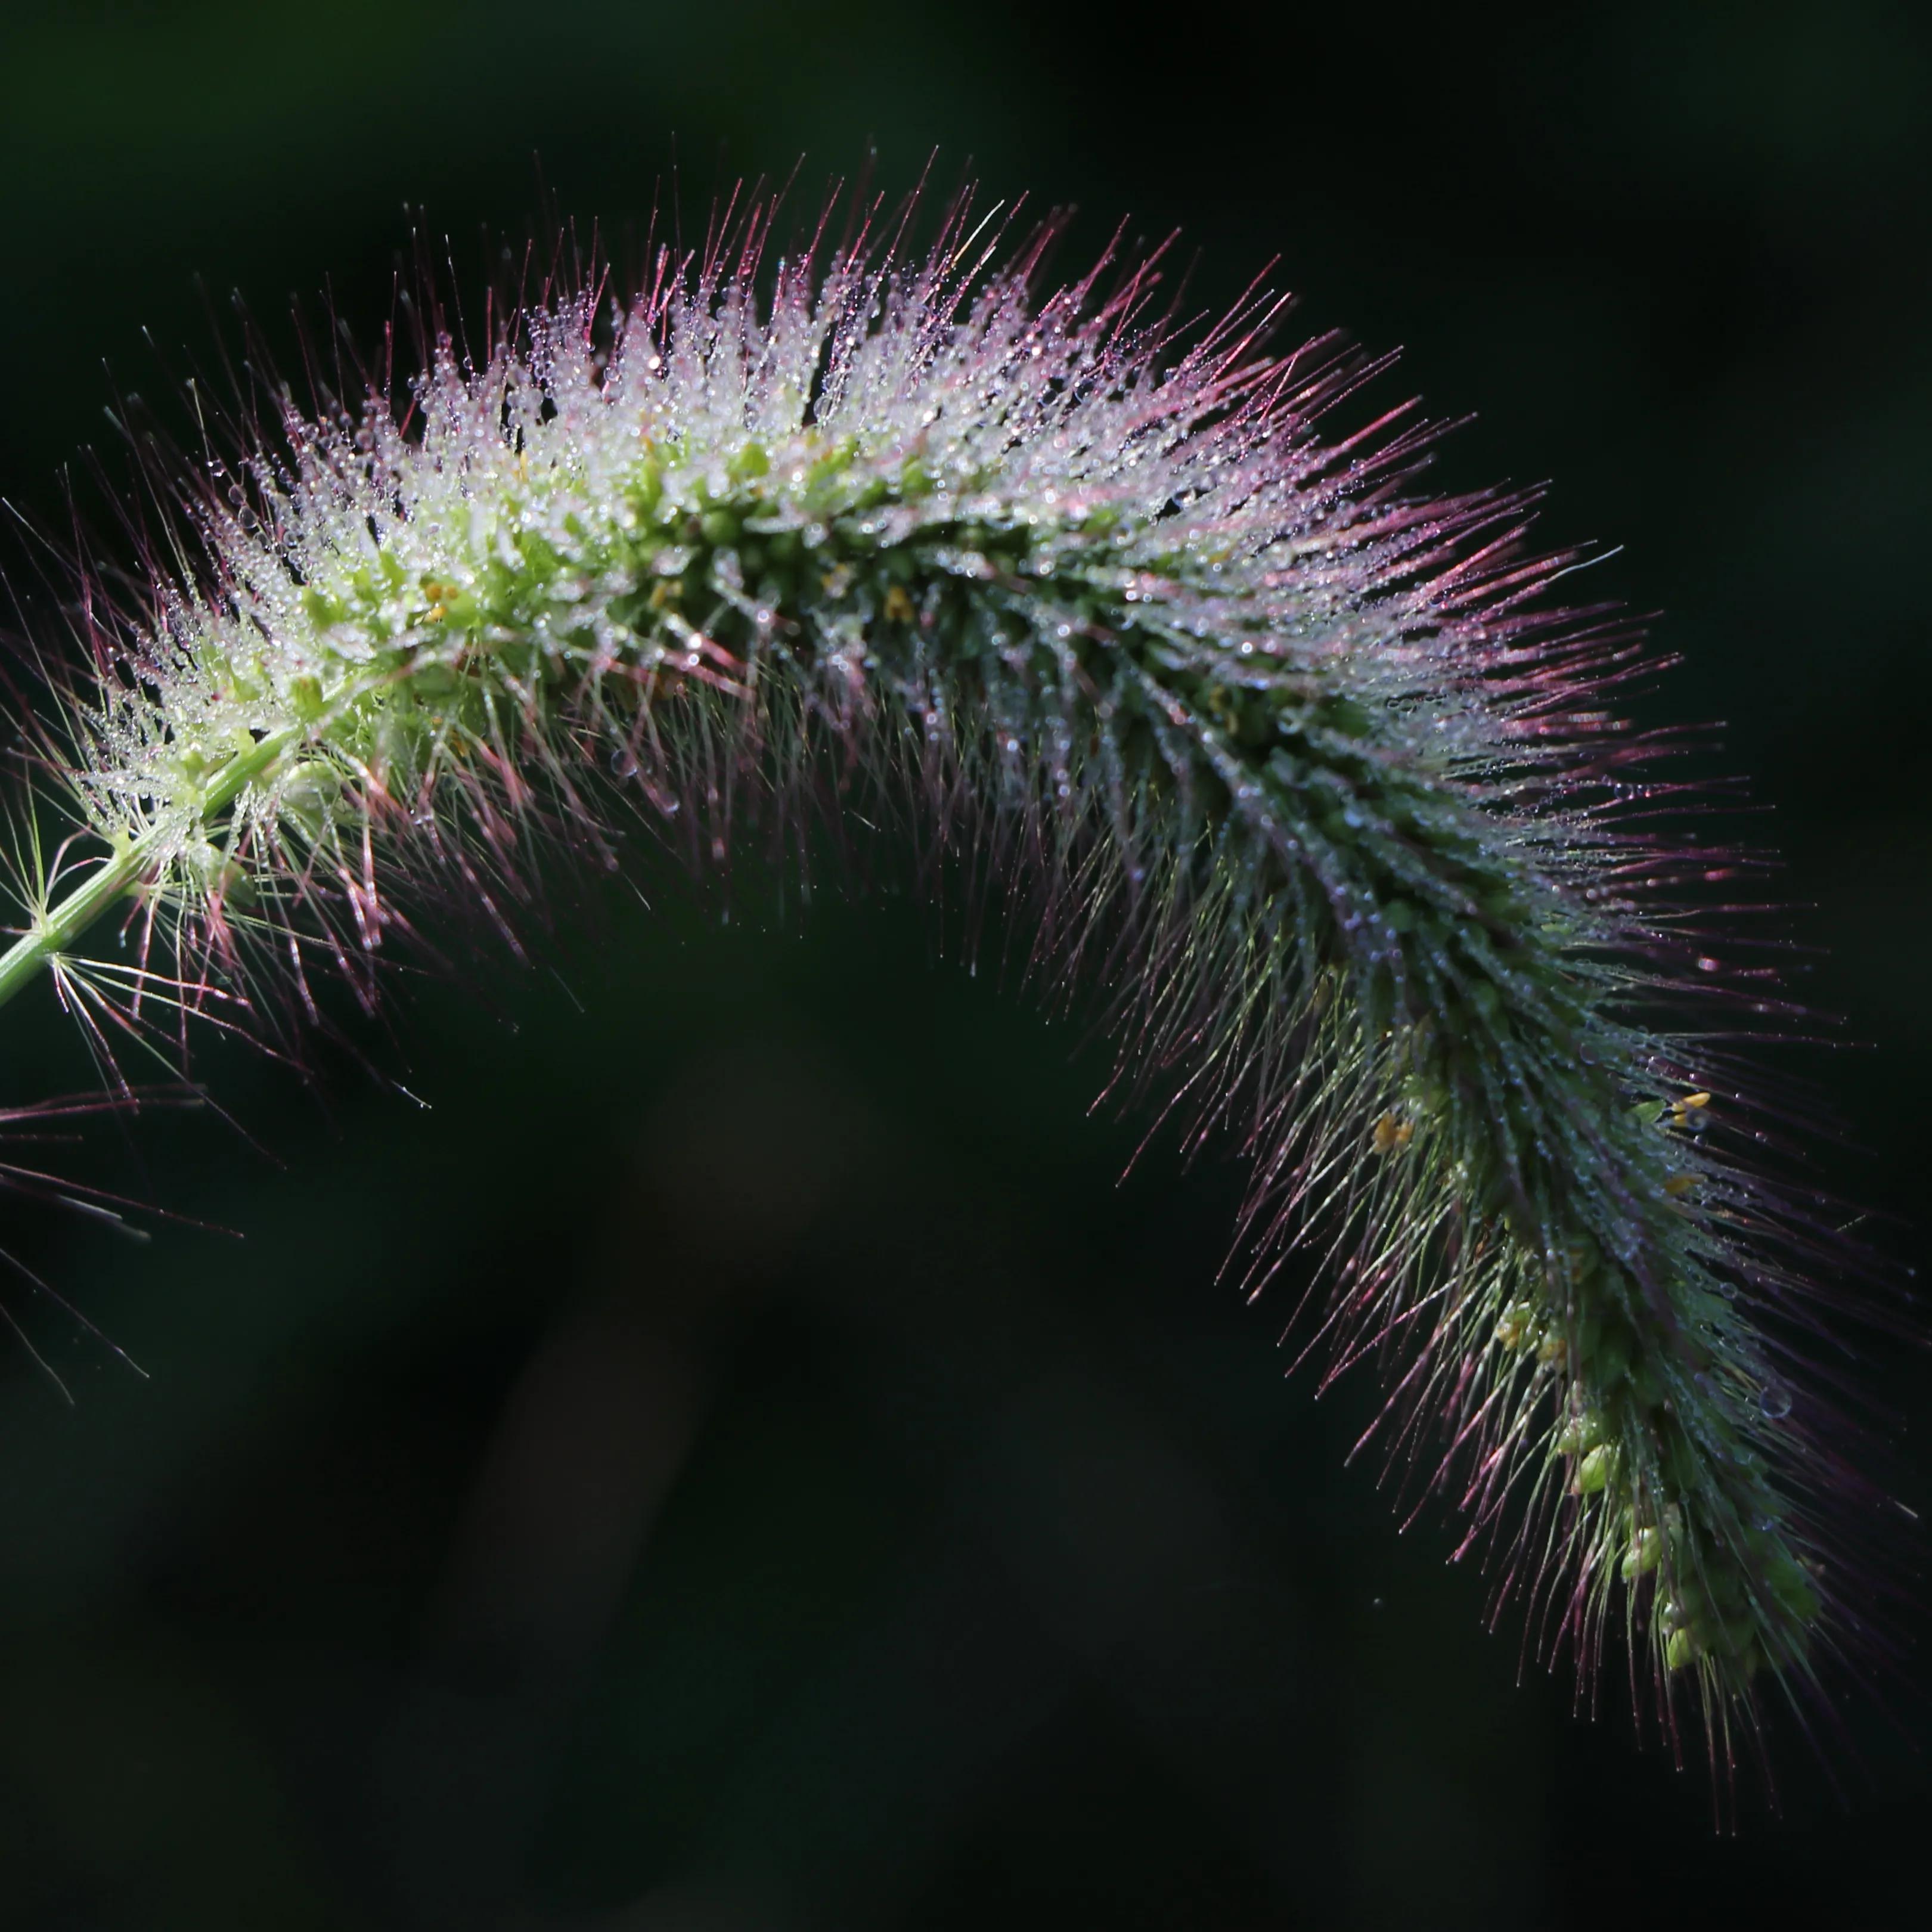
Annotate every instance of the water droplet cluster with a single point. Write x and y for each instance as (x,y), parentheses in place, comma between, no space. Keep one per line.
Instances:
(1293,765)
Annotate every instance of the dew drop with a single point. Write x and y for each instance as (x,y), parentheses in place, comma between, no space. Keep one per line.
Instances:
(1774,1401)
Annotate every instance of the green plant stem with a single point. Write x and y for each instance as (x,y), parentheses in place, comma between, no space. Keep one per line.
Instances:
(61,926)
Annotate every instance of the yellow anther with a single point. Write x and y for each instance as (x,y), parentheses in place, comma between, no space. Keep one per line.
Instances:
(1516,1326)
(1552,1350)
(1392,1134)
(1680,1184)
(1680,1111)
(899,605)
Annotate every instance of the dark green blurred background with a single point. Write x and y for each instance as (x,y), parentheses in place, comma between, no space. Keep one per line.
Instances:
(736,1459)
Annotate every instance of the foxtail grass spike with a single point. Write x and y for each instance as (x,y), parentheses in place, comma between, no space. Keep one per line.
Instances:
(1296,769)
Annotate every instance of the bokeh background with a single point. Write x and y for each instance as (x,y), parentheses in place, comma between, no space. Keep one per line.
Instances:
(732,1456)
